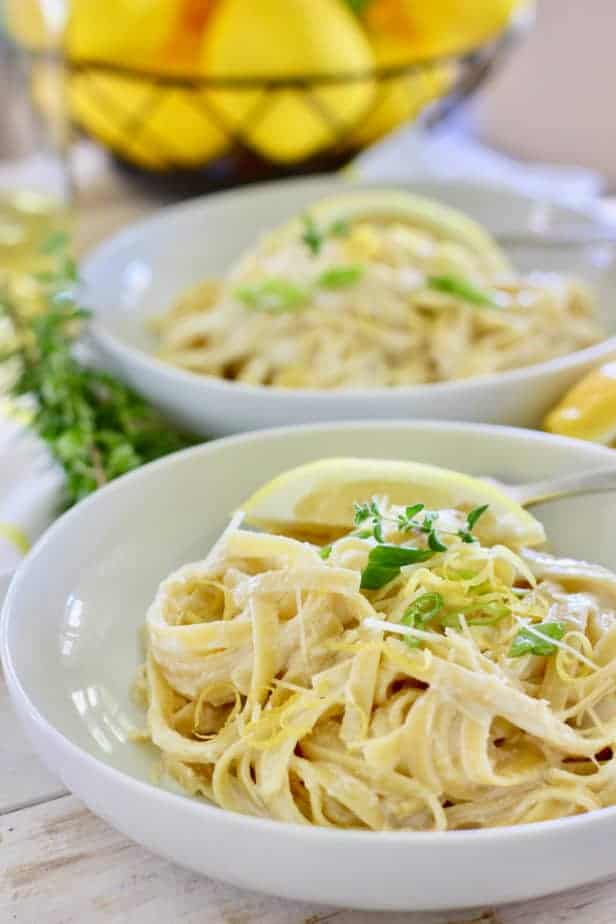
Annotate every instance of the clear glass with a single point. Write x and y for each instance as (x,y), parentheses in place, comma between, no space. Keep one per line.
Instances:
(35,177)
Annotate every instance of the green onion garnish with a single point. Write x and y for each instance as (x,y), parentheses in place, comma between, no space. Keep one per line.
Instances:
(339,277)
(454,285)
(274,295)
(325,552)
(528,642)
(419,614)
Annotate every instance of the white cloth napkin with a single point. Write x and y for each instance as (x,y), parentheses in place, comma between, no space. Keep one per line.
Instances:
(30,483)
(451,153)
(30,488)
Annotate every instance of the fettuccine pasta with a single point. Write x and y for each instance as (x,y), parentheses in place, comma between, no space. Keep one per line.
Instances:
(371,302)
(405,676)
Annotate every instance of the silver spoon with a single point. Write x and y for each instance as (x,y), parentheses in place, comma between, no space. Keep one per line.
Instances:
(560,237)
(539,492)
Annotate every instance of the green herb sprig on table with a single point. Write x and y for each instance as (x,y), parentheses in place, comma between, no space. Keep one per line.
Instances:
(95,427)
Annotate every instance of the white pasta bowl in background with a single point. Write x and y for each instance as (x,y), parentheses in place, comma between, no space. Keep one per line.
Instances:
(138,275)
(70,662)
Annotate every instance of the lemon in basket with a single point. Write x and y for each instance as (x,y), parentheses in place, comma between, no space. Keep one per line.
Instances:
(439,27)
(288,39)
(588,410)
(126,32)
(401,97)
(150,124)
(318,498)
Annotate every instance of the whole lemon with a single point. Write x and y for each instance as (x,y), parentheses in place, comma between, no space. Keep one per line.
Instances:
(181,53)
(288,38)
(155,126)
(439,27)
(152,126)
(126,32)
(402,97)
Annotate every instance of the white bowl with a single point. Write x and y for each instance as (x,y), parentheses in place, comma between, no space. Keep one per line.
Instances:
(70,650)
(138,274)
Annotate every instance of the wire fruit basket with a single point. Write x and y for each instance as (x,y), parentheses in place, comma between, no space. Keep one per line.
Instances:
(235,128)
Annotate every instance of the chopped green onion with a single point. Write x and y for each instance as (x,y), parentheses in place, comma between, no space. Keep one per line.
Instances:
(275,295)
(325,552)
(453,285)
(528,642)
(419,613)
(339,277)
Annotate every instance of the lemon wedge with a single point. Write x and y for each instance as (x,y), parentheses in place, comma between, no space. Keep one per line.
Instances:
(394,205)
(316,500)
(588,410)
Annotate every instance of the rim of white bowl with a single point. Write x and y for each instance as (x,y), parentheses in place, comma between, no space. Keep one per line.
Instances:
(432,839)
(115,345)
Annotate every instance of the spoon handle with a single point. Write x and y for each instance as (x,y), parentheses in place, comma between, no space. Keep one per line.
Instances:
(567,486)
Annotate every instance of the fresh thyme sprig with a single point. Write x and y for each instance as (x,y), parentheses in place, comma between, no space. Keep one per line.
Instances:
(95,427)
(314,236)
(385,561)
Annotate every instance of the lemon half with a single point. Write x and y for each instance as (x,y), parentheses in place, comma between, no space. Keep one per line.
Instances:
(316,500)
(393,205)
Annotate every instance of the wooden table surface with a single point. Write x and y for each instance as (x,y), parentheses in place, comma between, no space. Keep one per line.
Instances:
(59,864)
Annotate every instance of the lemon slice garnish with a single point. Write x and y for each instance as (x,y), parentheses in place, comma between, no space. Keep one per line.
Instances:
(388,206)
(316,500)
